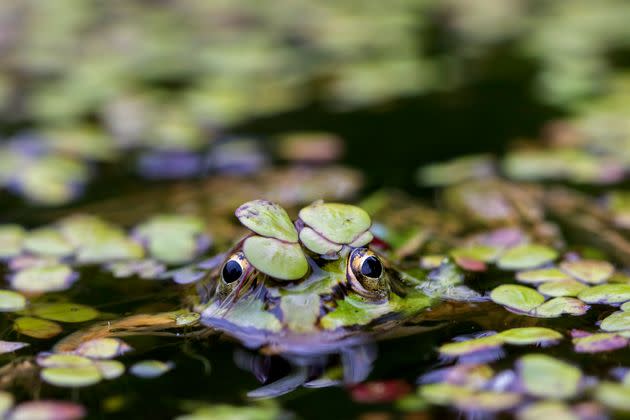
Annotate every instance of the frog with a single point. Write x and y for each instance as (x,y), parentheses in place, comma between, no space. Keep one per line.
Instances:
(303,290)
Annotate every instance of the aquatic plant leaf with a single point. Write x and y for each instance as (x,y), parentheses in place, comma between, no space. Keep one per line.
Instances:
(362,240)
(109,247)
(281,260)
(48,410)
(48,242)
(625,307)
(558,306)
(606,294)
(546,377)
(11,240)
(150,368)
(11,346)
(267,219)
(52,180)
(11,301)
(443,394)
(517,297)
(562,288)
(589,271)
(103,348)
(488,401)
(550,409)
(63,360)
(526,256)
(317,243)
(46,278)
(339,223)
(601,342)
(456,170)
(461,348)
(36,328)
(6,402)
(110,369)
(145,269)
(613,395)
(617,321)
(529,335)
(66,312)
(71,377)
(483,253)
(542,275)
(263,411)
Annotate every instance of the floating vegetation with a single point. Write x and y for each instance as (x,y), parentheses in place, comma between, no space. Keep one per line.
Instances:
(526,256)
(546,377)
(47,278)
(65,312)
(11,301)
(150,368)
(37,328)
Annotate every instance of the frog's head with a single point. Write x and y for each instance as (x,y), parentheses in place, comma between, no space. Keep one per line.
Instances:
(308,286)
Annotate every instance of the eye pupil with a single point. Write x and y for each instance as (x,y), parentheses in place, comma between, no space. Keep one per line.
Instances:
(232,271)
(371,267)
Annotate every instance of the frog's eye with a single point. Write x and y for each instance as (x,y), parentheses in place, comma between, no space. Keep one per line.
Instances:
(366,273)
(234,268)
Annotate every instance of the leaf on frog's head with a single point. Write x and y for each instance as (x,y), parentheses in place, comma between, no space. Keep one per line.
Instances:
(267,219)
(338,223)
(280,260)
(317,243)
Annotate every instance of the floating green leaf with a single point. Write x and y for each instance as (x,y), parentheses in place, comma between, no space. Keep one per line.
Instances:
(11,301)
(546,377)
(618,321)
(558,306)
(150,368)
(47,241)
(45,278)
(66,312)
(6,402)
(520,298)
(596,343)
(461,348)
(606,294)
(110,369)
(48,410)
(542,275)
(63,360)
(562,288)
(103,348)
(556,410)
(526,256)
(589,271)
(267,219)
(280,260)
(612,395)
(36,328)
(529,335)
(72,377)
(11,240)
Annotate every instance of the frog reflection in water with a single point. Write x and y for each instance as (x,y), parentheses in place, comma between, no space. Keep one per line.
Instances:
(304,290)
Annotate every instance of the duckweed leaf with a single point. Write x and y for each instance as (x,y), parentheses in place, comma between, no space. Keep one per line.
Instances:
(110,369)
(66,312)
(11,301)
(488,401)
(36,328)
(556,410)
(546,377)
(111,246)
(562,288)
(317,243)
(339,223)
(46,278)
(362,240)
(542,275)
(63,360)
(267,219)
(103,348)
(47,410)
(11,240)
(526,256)
(529,335)
(617,321)
(47,241)
(558,306)
(520,298)
(442,393)
(281,260)
(606,293)
(612,395)
(150,368)
(483,253)
(596,343)
(589,271)
(145,269)
(11,346)
(71,377)
(625,307)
